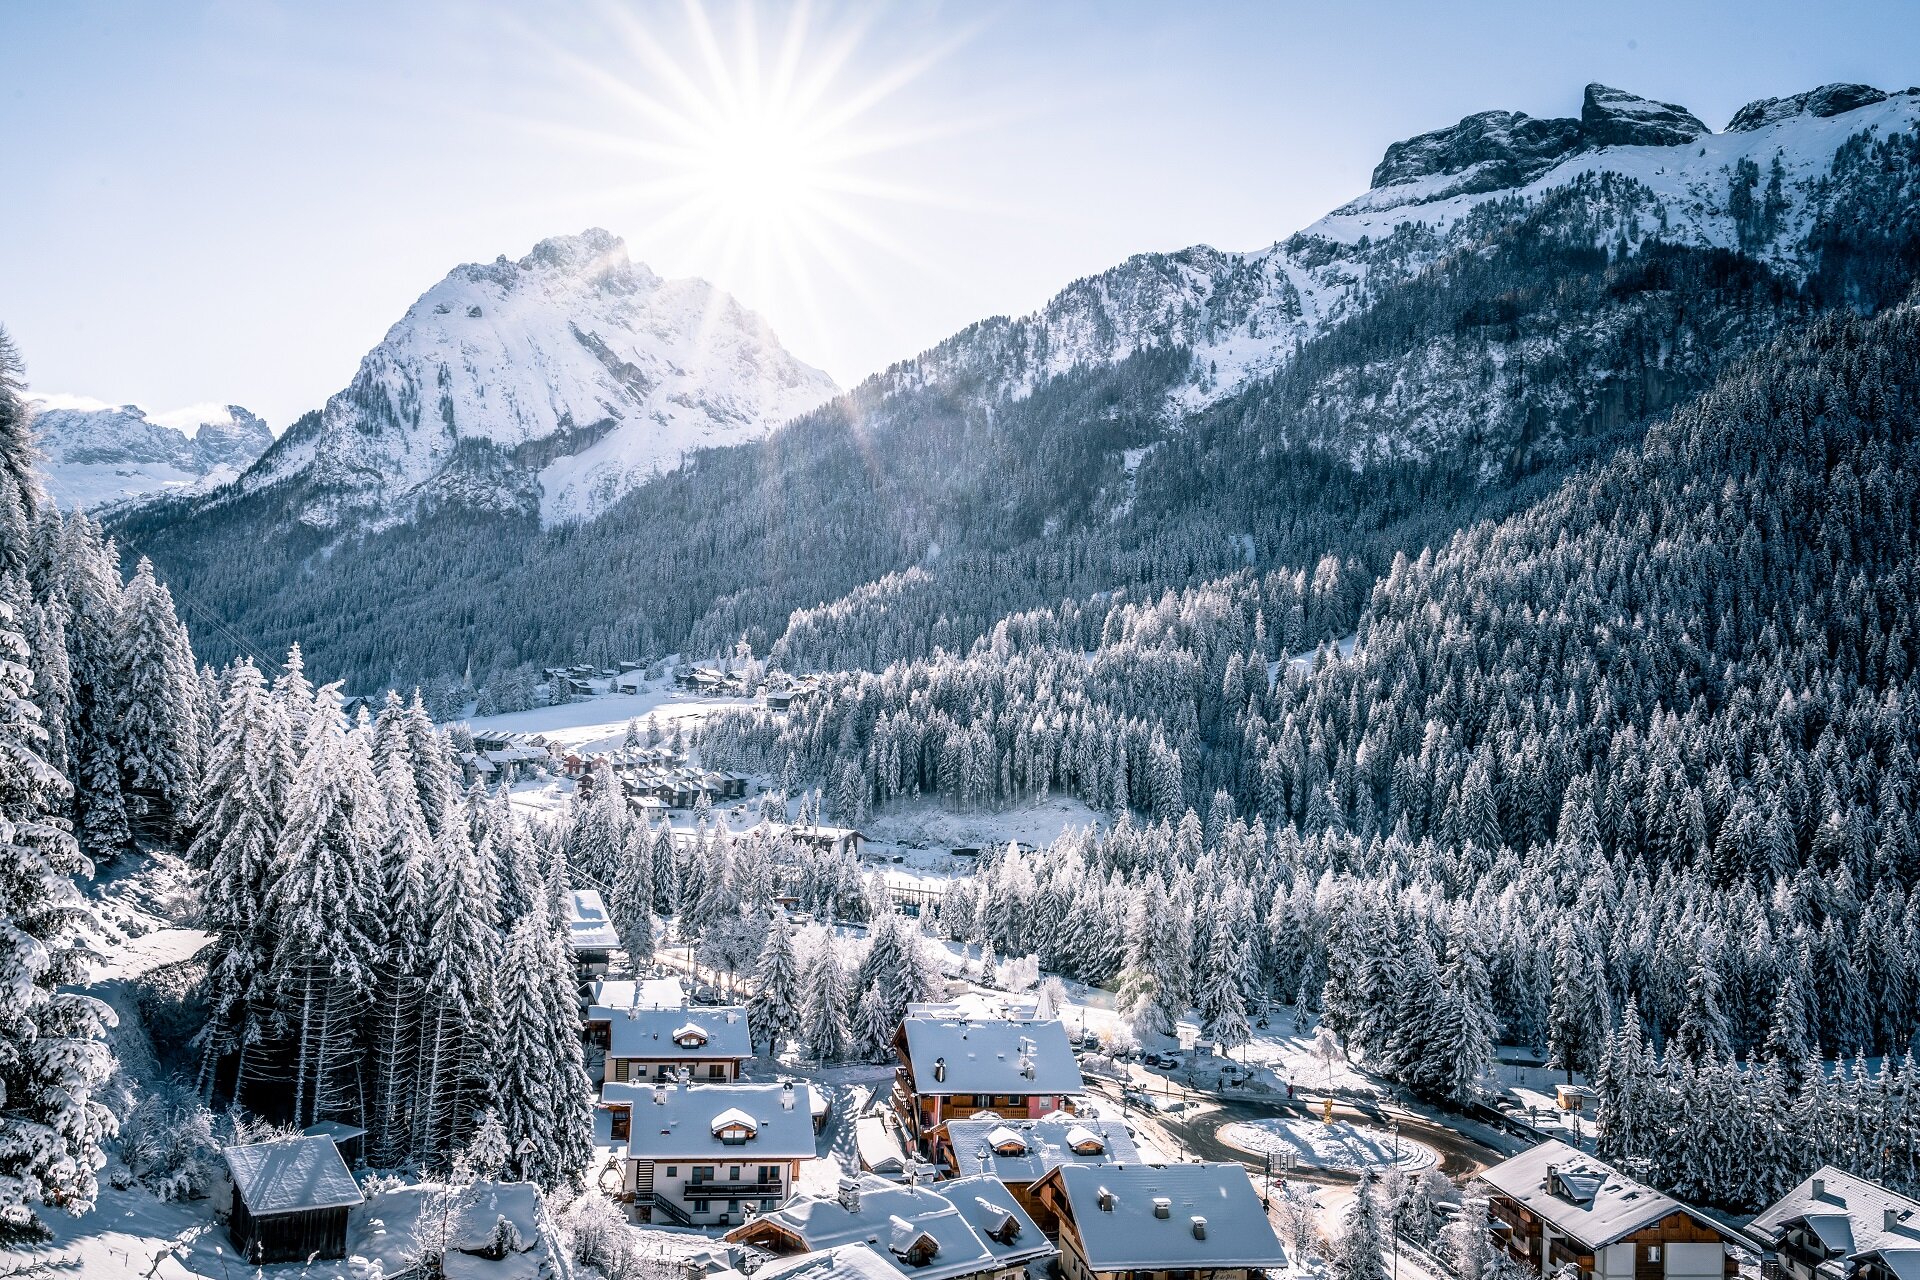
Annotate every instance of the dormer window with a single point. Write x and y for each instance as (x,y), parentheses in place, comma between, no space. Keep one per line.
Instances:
(1085,1142)
(910,1244)
(690,1037)
(734,1127)
(1007,1142)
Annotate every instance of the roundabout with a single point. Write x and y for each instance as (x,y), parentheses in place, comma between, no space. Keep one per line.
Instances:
(1340,1147)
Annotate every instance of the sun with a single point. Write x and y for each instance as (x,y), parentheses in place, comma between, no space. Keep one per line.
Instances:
(760,148)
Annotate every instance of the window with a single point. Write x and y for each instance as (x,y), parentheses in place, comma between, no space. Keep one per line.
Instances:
(622,1123)
(716,1072)
(733,1174)
(620,1069)
(703,1173)
(769,1173)
(1653,1253)
(673,1171)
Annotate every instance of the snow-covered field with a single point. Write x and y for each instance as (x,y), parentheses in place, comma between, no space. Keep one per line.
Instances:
(1341,1145)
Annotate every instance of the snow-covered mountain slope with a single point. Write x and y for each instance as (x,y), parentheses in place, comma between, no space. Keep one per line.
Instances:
(95,455)
(558,381)
(1628,169)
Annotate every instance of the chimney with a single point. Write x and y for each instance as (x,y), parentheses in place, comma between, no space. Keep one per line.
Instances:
(1892,1220)
(786,1096)
(1819,1188)
(659,1095)
(1162,1207)
(849,1195)
(1199,1227)
(939,1070)
(1106,1200)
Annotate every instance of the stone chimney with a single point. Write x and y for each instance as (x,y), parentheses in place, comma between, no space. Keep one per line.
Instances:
(1892,1220)
(1162,1207)
(849,1194)
(1199,1227)
(1819,1188)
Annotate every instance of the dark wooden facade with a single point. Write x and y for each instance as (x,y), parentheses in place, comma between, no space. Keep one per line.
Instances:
(1523,1232)
(287,1237)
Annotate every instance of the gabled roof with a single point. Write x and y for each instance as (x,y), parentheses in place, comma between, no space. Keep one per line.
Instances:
(1213,1217)
(655,1034)
(843,1262)
(683,1121)
(1592,1202)
(588,927)
(1047,1143)
(965,1219)
(291,1175)
(955,1055)
(1852,1216)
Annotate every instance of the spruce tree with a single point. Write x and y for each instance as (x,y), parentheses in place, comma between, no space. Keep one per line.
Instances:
(825,1029)
(1357,1254)
(774,1010)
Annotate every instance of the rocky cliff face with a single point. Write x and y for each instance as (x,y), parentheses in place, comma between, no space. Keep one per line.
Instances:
(556,382)
(98,456)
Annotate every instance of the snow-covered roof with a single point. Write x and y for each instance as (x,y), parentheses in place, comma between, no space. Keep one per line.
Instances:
(617,995)
(1852,1217)
(974,1224)
(843,1262)
(1593,1203)
(291,1175)
(1211,1218)
(655,1034)
(980,1145)
(684,1120)
(954,1055)
(588,926)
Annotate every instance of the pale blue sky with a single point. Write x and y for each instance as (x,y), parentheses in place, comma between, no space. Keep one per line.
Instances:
(228,201)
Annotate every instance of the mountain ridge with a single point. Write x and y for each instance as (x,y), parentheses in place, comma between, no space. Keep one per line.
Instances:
(573,356)
(100,456)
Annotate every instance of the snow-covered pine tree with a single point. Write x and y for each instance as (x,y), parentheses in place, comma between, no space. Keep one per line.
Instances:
(54,1056)
(432,766)
(160,708)
(774,1009)
(457,997)
(1576,1018)
(1356,1256)
(630,903)
(873,1024)
(92,591)
(527,1084)
(398,933)
(238,832)
(320,908)
(1223,1007)
(825,1029)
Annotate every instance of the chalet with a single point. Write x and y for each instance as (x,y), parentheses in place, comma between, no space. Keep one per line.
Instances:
(681,1043)
(1835,1226)
(1157,1222)
(814,836)
(1021,1152)
(782,699)
(590,932)
(951,1067)
(701,1155)
(290,1200)
(1553,1206)
(966,1229)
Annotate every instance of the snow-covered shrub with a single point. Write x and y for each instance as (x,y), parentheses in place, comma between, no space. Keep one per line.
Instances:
(593,1230)
(1118,1039)
(168,1142)
(1019,974)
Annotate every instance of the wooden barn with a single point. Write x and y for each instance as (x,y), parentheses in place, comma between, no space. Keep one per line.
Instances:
(290,1200)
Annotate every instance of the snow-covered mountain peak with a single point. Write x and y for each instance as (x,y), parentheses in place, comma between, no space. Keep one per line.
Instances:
(95,454)
(559,380)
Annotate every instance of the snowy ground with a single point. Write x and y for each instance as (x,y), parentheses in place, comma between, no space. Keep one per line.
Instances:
(600,722)
(1314,1144)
